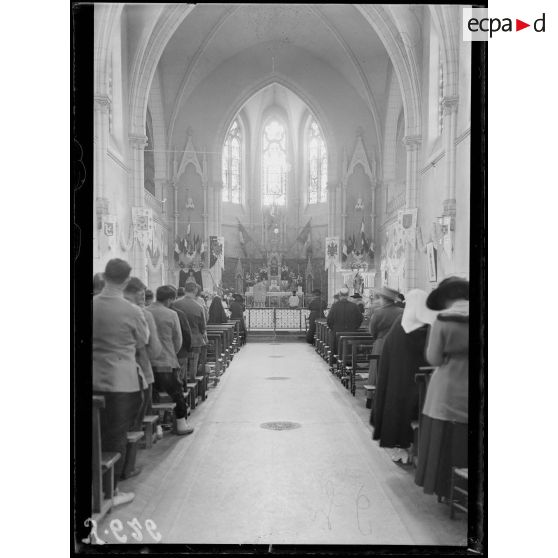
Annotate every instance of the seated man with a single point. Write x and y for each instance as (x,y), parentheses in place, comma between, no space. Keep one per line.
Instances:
(165,366)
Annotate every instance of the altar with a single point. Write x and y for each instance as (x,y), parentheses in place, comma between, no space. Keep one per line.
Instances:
(271,299)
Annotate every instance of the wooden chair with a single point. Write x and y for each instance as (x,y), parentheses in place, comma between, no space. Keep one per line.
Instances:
(149,428)
(102,466)
(163,410)
(459,491)
(422,378)
(371,391)
(133,439)
(361,349)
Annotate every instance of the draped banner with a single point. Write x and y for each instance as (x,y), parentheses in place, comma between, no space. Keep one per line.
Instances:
(216,251)
(108,231)
(142,219)
(332,251)
(408,222)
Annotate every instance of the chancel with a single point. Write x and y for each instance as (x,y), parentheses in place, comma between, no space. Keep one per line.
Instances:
(280,178)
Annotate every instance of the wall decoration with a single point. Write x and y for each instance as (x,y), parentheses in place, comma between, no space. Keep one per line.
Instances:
(332,252)
(407,219)
(142,219)
(216,251)
(446,223)
(431,262)
(108,232)
(393,257)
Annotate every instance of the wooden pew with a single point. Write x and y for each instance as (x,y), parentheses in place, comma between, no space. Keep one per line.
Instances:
(459,491)
(344,353)
(361,349)
(320,339)
(334,356)
(371,389)
(102,463)
(422,378)
(133,439)
(149,428)
(226,332)
(214,352)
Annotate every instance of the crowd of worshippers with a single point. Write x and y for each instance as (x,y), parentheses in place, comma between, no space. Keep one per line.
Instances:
(147,343)
(408,333)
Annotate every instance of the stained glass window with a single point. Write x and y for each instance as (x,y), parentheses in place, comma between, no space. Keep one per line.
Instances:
(274,164)
(232,168)
(317,165)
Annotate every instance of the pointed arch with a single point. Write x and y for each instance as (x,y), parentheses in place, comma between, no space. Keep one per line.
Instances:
(232,163)
(315,161)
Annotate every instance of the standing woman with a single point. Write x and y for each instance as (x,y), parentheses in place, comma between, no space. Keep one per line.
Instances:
(443,428)
(317,306)
(217,313)
(396,401)
(385,311)
(237,313)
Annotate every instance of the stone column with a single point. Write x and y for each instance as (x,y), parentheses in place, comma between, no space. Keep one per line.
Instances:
(331,228)
(412,145)
(136,198)
(100,141)
(449,106)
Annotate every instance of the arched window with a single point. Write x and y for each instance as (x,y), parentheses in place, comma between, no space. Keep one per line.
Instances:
(274,164)
(148,157)
(232,168)
(317,164)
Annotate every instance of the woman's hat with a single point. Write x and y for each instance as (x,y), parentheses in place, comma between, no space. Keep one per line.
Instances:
(357,295)
(386,292)
(451,288)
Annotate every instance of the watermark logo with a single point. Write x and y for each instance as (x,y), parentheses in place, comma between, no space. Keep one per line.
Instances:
(478,25)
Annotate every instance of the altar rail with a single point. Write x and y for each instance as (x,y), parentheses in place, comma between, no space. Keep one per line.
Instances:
(276,319)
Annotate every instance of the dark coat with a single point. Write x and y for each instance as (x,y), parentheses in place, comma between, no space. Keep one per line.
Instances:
(380,323)
(343,316)
(196,318)
(237,313)
(396,399)
(316,307)
(217,313)
(186,333)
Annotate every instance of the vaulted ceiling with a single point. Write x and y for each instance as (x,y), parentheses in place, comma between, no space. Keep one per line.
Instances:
(211,34)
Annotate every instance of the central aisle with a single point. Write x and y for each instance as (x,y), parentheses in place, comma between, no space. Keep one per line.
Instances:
(326,482)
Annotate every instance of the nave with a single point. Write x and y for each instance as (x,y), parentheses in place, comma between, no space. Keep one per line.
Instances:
(325,482)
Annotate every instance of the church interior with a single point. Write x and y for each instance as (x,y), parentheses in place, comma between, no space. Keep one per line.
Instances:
(275,155)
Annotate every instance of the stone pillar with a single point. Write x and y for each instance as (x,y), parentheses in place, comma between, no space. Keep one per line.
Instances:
(412,145)
(136,198)
(449,106)
(100,141)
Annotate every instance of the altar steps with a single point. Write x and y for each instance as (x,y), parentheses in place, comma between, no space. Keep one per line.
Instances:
(284,336)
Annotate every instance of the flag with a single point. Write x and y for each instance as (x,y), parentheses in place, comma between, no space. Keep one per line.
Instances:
(304,233)
(344,252)
(362,237)
(242,240)
(332,252)
(176,250)
(350,246)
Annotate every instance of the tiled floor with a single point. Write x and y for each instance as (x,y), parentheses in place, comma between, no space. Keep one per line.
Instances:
(326,482)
